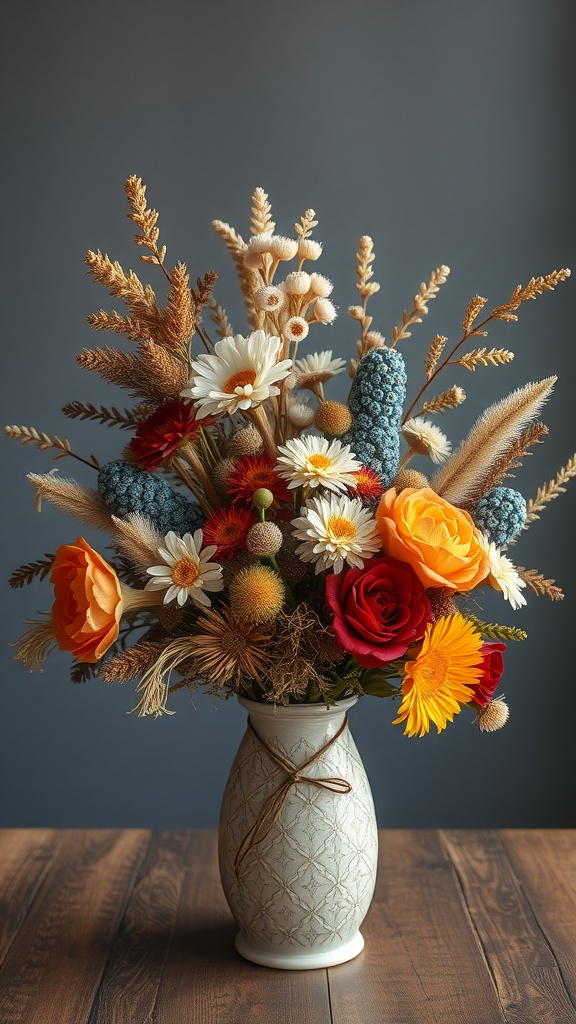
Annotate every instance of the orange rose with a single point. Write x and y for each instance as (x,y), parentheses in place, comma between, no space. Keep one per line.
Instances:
(437,539)
(88,606)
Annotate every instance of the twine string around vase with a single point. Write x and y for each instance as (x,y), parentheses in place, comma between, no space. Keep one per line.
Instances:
(274,806)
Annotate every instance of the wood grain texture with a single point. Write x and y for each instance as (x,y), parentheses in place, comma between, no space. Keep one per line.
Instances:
(421,964)
(206,982)
(545,864)
(51,973)
(25,856)
(129,927)
(524,968)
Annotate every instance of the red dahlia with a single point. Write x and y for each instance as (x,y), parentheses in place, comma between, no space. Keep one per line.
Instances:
(168,428)
(228,529)
(252,472)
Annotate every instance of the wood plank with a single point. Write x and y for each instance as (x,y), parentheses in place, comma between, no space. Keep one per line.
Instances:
(25,856)
(127,993)
(525,971)
(421,963)
(545,863)
(54,966)
(206,982)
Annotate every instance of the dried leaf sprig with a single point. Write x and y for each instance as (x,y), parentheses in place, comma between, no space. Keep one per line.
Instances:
(129,419)
(549,491)
(535,287)
(535,580)
(25,574)
(29,435)
(425,294)
(146,219)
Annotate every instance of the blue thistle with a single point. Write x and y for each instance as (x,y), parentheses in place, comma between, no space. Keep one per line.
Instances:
(376,399)
(500,514)
(127,488)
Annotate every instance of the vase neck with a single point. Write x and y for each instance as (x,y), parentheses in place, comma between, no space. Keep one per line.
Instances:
(314,724)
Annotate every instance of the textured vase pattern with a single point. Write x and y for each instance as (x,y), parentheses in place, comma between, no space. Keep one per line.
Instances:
(309,884)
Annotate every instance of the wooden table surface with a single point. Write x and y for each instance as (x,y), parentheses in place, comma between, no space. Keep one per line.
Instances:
(131,927)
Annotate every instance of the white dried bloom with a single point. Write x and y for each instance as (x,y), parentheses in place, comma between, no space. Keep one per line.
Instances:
(425,438)
(373,339)
(297,283)
(320,286)
(296,328)
(356,312)
(270,298)
(503,575)
(493,716)
(300,414)
(260,243)
(253,260)
(324,311)
(283,248)
(308,249)
(320,362)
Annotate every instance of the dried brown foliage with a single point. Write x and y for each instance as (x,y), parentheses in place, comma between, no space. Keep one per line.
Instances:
(434,352)
(131,663)
(483,357)
(24,574)
(367,287)
(535,580)
(473,308)
(219,317)
(535,287)
(129,419)
(249,279)
(154,374)
(549,491)
(29,435)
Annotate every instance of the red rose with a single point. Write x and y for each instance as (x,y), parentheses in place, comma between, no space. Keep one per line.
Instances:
(492,666)
(379,610)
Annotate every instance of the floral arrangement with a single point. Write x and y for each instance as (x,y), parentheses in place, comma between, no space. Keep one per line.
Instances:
(268,541)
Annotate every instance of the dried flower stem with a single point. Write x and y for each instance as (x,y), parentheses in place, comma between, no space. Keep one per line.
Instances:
(29,435)
(535,580)
(549,491)
(426,293)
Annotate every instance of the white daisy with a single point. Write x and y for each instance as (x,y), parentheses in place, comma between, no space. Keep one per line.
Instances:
(503,575)
(320,362)
(315,461)
(240,374)
(300,414)
(336,529)
(425,438)
(186,570)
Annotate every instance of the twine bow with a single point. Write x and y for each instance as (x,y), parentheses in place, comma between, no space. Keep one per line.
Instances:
(274,806)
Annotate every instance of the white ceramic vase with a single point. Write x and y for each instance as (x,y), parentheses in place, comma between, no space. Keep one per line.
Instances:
(300,893)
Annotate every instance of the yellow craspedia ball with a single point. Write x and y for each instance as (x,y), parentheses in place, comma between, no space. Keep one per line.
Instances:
(256,594)
(333,418)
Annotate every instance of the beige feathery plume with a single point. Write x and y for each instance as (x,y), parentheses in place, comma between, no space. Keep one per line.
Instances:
(511,459)
(139,298)
(261,222)
(138,538)
(34,646)
(84,503)
(492,434)
(146,219)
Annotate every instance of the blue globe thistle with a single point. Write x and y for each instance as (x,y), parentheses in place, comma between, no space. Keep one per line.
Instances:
(376,400)
(127,488)
(500,514)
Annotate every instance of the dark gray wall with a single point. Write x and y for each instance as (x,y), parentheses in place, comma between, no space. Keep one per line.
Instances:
(444,130)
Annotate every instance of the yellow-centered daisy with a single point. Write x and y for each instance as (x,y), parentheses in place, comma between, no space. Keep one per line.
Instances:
(335,529)
(314,461)
(187,571)
(239,375)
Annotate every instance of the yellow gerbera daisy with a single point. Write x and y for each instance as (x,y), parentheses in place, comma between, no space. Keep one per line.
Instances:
(441,677)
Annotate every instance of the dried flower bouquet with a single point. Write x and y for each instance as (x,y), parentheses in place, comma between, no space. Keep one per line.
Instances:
(269,541)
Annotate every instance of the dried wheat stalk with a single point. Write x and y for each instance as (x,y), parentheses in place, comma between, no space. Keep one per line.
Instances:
(449,399)
(131,663)
(426,293)
(219,317)
(29,435)
(129,419)
(131,327)
(249,279)
(154,374)
(261,222)
(483,357)
(549,491)
(434,352)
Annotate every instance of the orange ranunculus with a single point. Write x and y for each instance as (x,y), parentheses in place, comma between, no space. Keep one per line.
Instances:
(437,539)
(86,612)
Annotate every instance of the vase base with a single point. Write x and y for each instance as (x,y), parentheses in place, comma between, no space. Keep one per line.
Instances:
(300,960)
